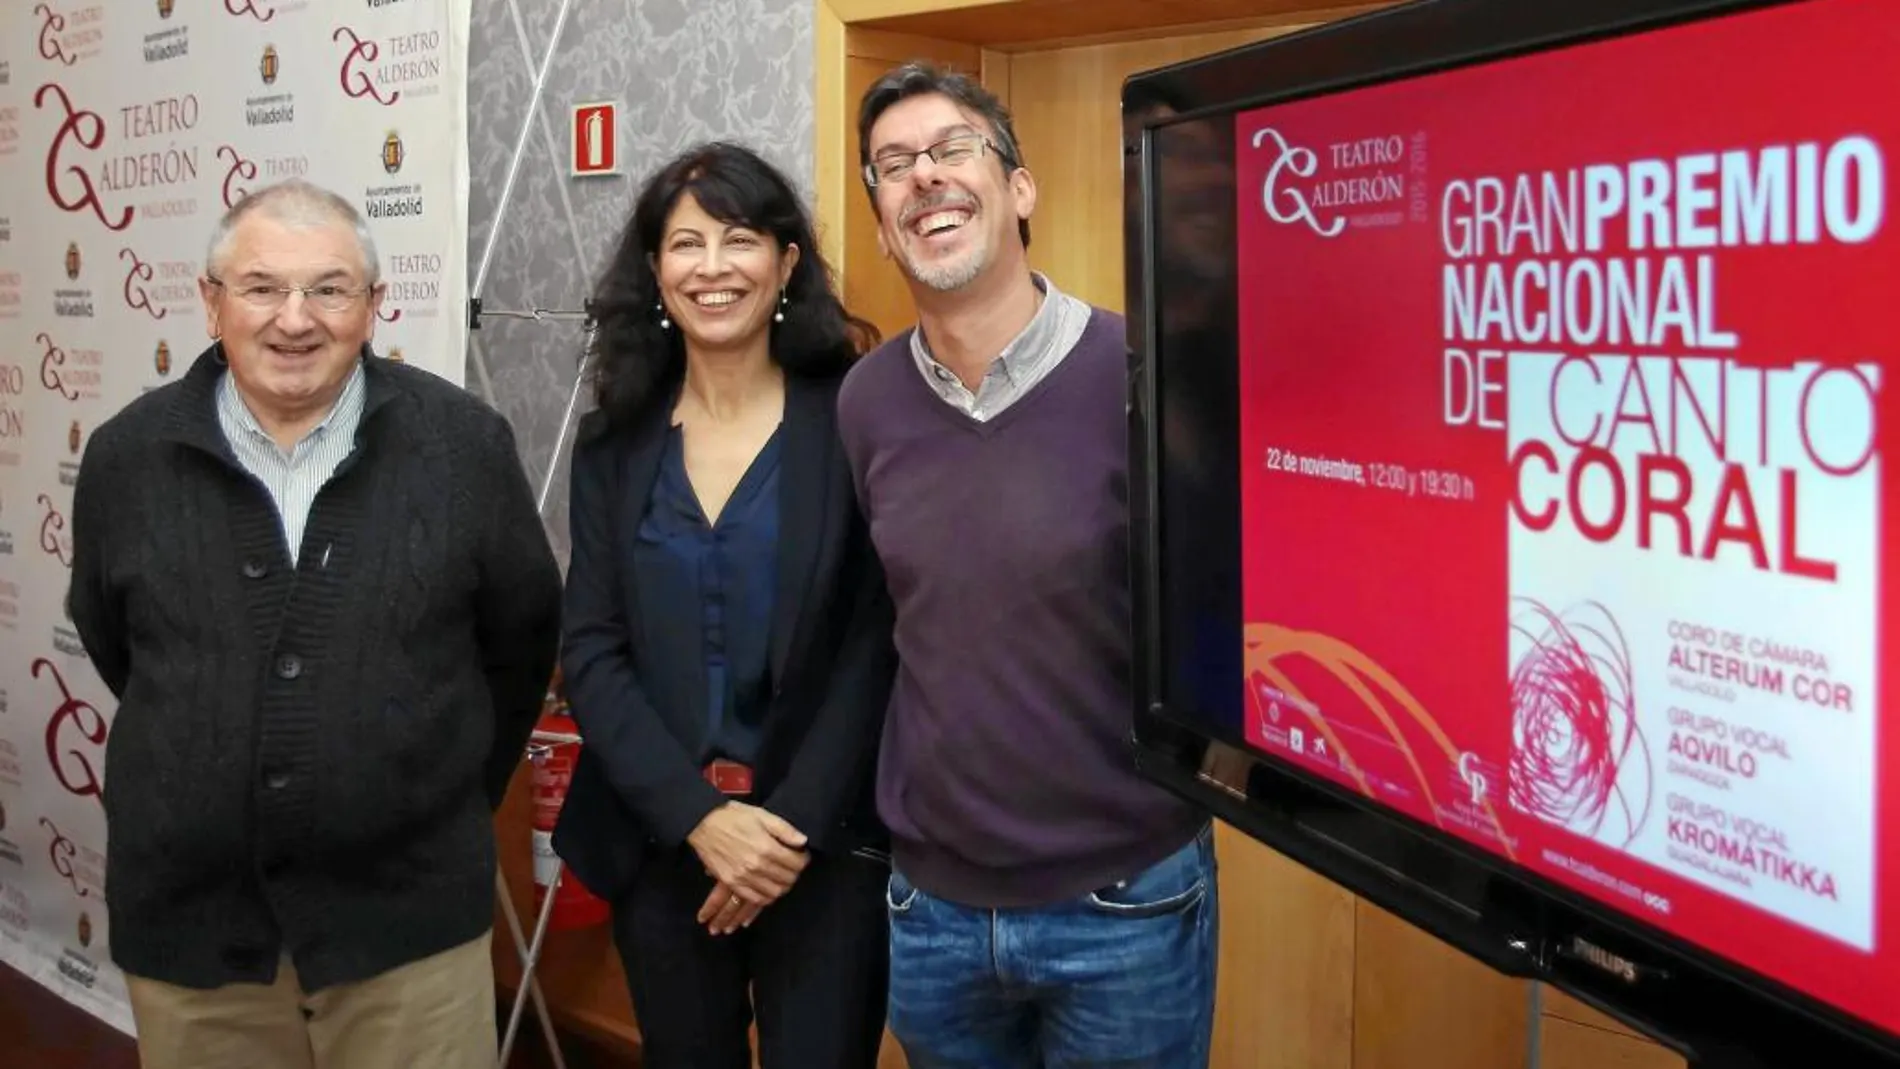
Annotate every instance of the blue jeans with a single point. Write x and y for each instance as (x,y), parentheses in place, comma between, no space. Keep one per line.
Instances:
(1122,977)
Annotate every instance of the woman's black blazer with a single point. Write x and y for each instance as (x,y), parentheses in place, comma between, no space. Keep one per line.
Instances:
(832,657)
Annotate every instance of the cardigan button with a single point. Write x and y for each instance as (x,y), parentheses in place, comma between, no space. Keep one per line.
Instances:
(255,569)
(289,666)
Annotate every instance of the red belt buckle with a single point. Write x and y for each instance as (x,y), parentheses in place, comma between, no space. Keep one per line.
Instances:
(730,777)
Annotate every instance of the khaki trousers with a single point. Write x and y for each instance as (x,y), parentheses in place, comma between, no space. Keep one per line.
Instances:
(437,1013)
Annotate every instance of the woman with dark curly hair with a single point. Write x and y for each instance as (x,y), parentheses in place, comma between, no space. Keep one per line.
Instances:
(727,635)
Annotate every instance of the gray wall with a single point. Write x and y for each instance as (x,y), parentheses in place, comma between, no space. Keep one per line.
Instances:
(684,71)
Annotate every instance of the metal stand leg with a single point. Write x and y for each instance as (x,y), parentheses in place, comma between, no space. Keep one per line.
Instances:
(530,986)
(530,951)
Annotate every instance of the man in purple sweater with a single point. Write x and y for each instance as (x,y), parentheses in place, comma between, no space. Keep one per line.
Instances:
(1049,907)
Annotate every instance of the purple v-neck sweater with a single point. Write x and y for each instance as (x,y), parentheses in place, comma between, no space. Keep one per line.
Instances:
(1006,775)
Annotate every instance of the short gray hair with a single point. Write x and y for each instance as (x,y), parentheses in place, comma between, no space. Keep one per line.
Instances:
(296,202)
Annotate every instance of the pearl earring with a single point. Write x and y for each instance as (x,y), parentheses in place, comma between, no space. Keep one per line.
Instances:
(665,323)
(779,316)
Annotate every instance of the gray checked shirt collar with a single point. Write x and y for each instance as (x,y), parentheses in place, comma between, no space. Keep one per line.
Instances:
(1024,362)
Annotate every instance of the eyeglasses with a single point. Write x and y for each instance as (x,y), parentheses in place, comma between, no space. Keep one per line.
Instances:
(950,152)
(328,296)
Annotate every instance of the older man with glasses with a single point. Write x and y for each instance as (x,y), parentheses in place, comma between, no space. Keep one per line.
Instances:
(317,583)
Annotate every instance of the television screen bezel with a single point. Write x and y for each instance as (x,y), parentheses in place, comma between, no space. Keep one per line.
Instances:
(1712,1010)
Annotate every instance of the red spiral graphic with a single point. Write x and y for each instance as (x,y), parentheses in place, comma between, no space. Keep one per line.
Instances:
(87,128)
(240,168)
(241,8)
(356,83)
(1578,758)
(51,361)
(55,544)
(52,25)
(135,296)
(62,851)
(91,725)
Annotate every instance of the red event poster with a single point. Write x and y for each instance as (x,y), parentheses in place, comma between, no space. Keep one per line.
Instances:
(1564,423)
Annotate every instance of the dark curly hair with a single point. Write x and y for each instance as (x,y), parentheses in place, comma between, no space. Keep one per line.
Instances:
(636,361)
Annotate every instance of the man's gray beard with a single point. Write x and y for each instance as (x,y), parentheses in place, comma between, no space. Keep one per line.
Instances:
(948,278)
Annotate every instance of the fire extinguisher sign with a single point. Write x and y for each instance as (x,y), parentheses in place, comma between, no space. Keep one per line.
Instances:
(594,139)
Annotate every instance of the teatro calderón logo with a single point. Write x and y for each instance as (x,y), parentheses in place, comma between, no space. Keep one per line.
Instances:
(55,541)
(270,108)
(262,10)
(74,300)
(68,34)
(171,41)
(63,852)
(158,287)
(75,147)
(413,285)
(240,169)
(75,734)
(237,171)
(1376,181)
(401,200)
(385,69)
(75,375)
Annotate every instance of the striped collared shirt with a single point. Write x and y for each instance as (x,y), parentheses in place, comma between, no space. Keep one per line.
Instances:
(1025,361)
(292,476)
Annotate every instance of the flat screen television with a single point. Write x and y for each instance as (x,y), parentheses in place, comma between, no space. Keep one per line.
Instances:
(1513,525)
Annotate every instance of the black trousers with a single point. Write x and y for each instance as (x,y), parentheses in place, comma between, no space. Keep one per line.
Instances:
(814,968)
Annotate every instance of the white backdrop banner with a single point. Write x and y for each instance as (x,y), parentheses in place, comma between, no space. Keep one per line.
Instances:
(126,129)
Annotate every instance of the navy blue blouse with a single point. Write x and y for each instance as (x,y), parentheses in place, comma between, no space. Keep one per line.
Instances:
(726,573)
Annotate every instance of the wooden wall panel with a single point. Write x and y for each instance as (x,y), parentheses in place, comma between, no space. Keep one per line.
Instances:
(1286,971)
(1419,1004)
(1567,1045)
(1067,108)
(1562,1006)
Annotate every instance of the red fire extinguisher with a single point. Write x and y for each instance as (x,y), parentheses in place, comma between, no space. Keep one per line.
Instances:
(552,751)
